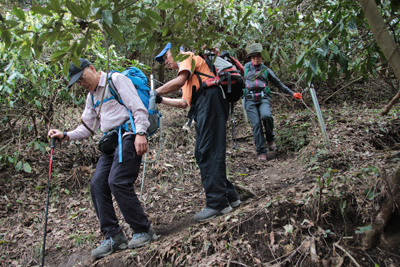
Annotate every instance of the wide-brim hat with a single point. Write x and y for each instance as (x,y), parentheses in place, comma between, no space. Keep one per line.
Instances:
(159,57)
(254,49)
(76,72)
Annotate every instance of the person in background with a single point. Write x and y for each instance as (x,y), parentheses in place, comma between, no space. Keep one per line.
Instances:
(112,177)
(210,115)
(257,100)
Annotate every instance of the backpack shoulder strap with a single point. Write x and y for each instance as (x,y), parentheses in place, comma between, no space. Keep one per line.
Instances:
(209,63)
(117,96)
(246,69)
(114,90)
(114,93)
(265,72)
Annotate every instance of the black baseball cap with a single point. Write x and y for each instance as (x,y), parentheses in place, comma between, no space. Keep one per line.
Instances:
(75,73)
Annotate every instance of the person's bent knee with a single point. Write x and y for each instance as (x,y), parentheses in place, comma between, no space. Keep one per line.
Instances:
(257,124)
(94,187)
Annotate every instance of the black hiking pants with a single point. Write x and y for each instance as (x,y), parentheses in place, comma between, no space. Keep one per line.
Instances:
(259,113)
(210,151)
(117,179)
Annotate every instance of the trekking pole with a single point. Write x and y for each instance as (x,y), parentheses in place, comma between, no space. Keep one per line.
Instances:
(244,110)
(52,146)
(234,141)
(144,170)
(145,155)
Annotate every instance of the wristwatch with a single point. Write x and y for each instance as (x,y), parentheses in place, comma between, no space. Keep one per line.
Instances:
(141,133)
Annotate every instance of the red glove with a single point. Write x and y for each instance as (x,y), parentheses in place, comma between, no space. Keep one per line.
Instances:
(297,96)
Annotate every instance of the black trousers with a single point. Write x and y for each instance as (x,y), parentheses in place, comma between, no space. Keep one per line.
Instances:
(117,179)
(259,113)
(210,151)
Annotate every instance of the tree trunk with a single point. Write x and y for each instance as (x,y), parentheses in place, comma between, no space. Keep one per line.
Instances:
(384,40)
(161,70)
(389,205)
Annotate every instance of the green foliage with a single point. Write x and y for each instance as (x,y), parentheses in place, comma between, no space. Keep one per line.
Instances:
(293,137)
(81,239)
(316,40)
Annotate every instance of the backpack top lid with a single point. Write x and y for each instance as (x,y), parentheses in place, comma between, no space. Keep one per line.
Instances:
(136,75)
(139,80)
(220,63)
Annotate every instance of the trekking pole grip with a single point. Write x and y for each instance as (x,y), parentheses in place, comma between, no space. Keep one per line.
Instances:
(53,143)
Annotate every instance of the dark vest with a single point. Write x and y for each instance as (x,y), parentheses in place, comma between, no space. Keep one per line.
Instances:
(256,86)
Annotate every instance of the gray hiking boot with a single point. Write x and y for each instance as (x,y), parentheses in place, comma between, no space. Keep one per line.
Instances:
(141,239)
(209,213)
(110,245)
(236,203)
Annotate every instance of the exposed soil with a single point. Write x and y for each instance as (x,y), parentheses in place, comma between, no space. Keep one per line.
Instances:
(306,206)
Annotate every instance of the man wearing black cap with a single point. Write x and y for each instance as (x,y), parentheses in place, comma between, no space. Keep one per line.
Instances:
(210,114)
(111,176)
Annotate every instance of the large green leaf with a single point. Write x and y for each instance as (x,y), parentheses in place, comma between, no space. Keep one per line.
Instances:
(25,50)
(107,16)
(19,13)
(152,14)
(151,22)
(56,6)
(314,65)
(6,37)
(66,67)
(41,10)
(113,32)
(18,32)
(284,55)
(194,25)
(163,5)
(248,13)
(300,58)
(58,57)
(75,9)
(265,55)
(83,43)
(11,23)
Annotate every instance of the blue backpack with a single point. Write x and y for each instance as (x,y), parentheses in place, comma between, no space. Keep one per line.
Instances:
(139,80)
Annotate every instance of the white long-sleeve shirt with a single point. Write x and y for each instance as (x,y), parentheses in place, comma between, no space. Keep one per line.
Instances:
(112,112)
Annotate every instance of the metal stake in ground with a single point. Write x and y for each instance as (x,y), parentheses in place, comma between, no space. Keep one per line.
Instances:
(319,116)
(52,145)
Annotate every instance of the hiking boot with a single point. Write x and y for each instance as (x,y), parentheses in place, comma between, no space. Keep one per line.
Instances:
(262,157)
(236,203)
(271,146)
(141,239)
(209,213)
(110,245)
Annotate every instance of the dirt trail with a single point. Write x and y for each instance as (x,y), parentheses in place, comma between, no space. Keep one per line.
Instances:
(281,220)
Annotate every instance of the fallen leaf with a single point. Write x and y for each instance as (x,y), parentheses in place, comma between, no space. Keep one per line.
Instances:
(272,237)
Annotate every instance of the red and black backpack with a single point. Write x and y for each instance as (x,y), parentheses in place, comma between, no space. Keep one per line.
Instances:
(228,74)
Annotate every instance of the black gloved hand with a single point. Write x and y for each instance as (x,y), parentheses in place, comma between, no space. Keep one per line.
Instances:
(158,99)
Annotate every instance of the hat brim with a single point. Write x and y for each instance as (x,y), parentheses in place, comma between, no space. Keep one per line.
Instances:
(75,78)
(253,54)
(159,57)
